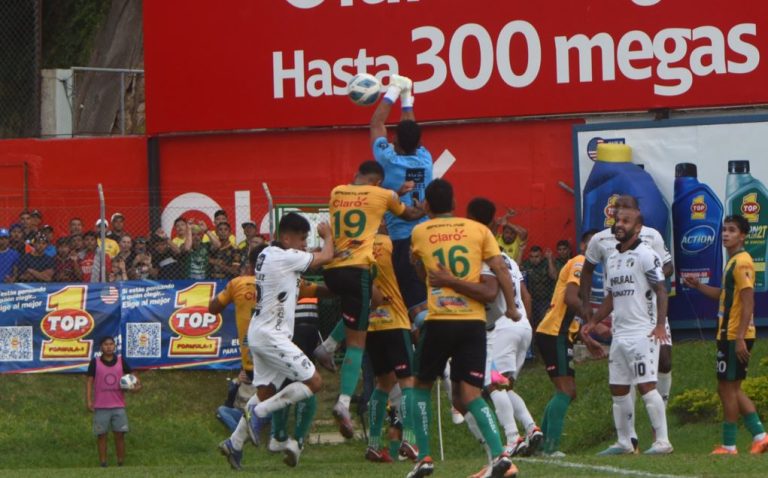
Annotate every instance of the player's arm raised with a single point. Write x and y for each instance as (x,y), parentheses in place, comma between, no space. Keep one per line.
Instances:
(399,87)
(326,253)
(483,291)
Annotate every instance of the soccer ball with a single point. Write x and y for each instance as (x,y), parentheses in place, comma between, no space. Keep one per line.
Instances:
(363,89)
(128,381)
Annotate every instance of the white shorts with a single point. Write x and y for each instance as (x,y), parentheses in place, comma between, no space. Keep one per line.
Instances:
(509,345)
(276,359)
(633,360)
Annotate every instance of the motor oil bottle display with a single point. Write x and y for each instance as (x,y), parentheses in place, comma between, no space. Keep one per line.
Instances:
(747,196)
(697,215)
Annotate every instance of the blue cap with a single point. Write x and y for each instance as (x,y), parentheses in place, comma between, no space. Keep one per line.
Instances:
(4,233)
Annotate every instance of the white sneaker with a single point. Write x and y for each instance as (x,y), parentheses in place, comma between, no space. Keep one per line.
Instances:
(456,417)
(659,448)
(276,446)
(292,452)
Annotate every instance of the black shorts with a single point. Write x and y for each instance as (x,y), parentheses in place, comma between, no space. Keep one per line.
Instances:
(305,336)
(557,352)
(413,290)
(463,341)
(390,350)
(353,286)
(729,367)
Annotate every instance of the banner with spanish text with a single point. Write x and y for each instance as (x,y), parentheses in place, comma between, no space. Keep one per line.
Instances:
(57,327)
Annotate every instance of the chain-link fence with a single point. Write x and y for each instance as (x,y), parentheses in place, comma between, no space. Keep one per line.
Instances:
(19,68)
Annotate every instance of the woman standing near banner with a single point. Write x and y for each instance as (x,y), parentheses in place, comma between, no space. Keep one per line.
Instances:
(106,400)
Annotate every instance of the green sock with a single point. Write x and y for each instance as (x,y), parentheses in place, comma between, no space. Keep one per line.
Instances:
(305,413)
(487,423)
(422,409)
(406,413)
(280,424)
(753,424)
(545,420)
(350,370)
(377,407)
(394,448)
(729,433)
(338,334)
(557,407)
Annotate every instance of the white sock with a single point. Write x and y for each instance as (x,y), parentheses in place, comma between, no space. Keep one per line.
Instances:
(344,400)
(447,382)
(521,411)
(654,404)
(505,412)
(240,435)
(758,437)
(633,399)
(395,397)
(330,345)
(472,424)
(293,393)
(623,415)
(664,385)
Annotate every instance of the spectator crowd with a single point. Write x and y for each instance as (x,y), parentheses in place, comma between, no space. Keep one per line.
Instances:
(30,251)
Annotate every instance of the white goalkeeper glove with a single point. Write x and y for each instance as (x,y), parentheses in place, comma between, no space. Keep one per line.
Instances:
(398,87)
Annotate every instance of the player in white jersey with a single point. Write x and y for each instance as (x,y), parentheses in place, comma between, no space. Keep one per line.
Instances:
(599,248)
(636,294)
(275,357)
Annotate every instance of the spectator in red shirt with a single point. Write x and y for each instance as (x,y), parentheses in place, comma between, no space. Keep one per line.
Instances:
(90,263)
(66,263)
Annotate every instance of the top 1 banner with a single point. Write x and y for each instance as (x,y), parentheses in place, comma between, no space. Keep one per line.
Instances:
(246,64)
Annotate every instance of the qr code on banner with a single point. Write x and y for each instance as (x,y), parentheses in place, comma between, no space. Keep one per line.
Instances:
(16,344)
(143,339)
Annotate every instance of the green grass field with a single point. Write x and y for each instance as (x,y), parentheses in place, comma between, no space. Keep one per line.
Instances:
(45,430)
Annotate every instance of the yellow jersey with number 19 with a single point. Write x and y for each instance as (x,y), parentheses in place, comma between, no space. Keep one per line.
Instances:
(391,314)
(356,212)
(461,245)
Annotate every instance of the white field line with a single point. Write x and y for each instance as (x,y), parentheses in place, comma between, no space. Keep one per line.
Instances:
(606,469)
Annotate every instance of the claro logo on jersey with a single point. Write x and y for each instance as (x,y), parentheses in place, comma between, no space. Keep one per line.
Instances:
(452,236)
(308,4)
(698,208)
(750,208)
(66,325)
(194,324)
(697,239)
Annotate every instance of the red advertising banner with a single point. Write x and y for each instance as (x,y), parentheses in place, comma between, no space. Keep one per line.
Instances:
(285,63)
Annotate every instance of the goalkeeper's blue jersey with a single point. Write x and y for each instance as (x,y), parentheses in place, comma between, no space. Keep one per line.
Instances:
(399,168)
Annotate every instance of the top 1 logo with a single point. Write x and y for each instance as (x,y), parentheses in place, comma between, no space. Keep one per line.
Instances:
(307,4)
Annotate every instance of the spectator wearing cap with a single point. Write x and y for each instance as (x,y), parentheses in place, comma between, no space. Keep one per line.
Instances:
(66,263)
(35,266)
(35,219)
(249,231)
(196,252)
(140,263)
(164,259)
(90,263)
(112,248)
(224,261)
(117,231)
(9,257)
(47,229)
(75,226)
(17,241)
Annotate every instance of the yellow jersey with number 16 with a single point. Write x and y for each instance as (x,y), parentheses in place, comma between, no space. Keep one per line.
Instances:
(356,212)
(461,245)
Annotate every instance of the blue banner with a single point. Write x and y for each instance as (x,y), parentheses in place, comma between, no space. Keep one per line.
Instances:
(57,327)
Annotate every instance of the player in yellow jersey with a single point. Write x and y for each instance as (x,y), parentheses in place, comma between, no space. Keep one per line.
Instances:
(735,336)
(242,291)
(356,211)
(389,348)
(554,337)
(455,324)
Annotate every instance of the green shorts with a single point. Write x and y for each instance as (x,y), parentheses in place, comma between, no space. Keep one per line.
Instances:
(106,419)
